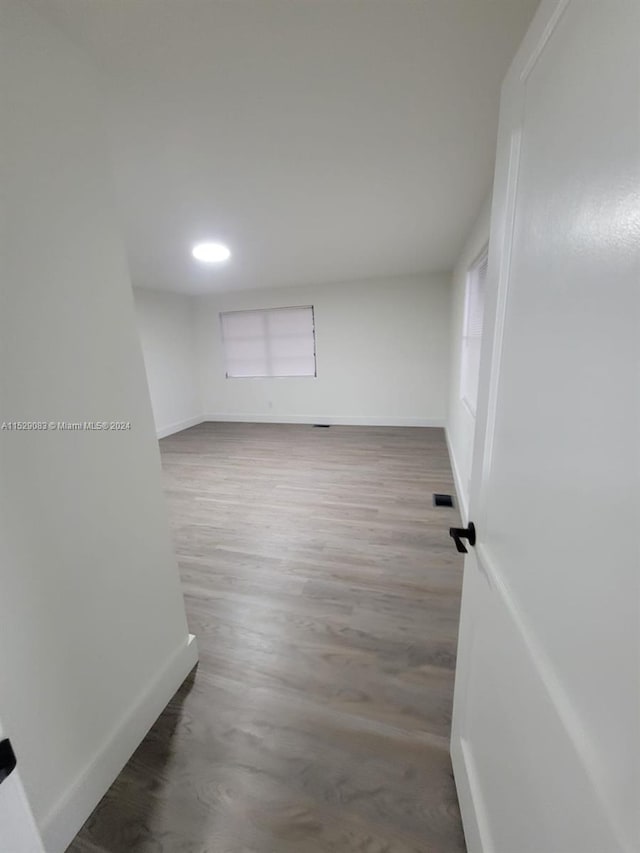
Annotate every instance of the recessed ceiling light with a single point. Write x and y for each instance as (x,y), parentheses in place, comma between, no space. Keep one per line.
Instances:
(211,253)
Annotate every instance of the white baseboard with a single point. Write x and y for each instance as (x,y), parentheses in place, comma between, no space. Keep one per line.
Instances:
(63,822)
(337,420)
(473,820)
(463,504)
(163,432)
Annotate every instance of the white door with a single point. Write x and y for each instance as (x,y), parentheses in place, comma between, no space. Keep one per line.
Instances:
(18,831)
(546,743)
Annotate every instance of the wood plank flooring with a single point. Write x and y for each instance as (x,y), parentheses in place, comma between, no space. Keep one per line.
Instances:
(324,592)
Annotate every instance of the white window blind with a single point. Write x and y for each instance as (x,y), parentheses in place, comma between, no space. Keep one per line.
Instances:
(269,342)
(472,331)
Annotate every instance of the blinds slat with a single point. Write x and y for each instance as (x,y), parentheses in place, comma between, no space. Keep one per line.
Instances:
(474,311)
(269,342)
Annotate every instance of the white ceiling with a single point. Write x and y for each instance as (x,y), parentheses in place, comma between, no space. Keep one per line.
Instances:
(322,140)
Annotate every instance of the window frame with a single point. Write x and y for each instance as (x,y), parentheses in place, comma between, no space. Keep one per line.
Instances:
(266,311)
(471,279)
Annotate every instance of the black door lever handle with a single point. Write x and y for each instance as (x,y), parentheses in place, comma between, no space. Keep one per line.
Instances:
(7,759)
(460,533)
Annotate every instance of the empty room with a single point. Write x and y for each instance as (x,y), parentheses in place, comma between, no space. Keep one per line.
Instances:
(319,416)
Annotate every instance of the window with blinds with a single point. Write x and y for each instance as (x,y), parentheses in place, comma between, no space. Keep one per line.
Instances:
(269,342)
(472,332)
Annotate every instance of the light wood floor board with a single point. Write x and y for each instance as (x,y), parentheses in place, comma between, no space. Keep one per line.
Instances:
(324,592)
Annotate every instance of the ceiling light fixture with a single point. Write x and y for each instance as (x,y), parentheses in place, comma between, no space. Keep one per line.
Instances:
(211,253)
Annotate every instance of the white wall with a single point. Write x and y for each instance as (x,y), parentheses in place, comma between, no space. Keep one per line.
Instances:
(382,355)
(461,423)
(93,637)
(167,333)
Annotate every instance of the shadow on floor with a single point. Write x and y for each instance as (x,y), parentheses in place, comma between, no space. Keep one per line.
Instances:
(146,793)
